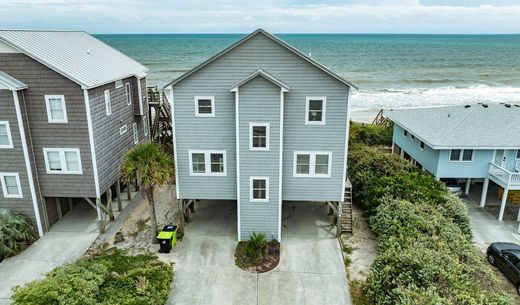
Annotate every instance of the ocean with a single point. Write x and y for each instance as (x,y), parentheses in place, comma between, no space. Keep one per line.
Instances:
(391,71)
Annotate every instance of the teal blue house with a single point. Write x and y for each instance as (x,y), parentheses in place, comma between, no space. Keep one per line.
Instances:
(472,143)
(260,123)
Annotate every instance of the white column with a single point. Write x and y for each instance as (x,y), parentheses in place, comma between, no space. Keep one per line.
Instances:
(468,184)
(484,193)
(503,205)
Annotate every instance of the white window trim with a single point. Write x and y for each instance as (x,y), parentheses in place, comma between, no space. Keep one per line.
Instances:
(421,143)
(405,133)
(207,162)
(145,125)
(128,92)
(119,84)
(62,151)
(412,137)
(63,106)
(4,186)
(323,113)
(461,155)
(267,134)
(108,102)
(123,129)
(312,164)
(9,135)
(251,188)
(199,97)
(136,133)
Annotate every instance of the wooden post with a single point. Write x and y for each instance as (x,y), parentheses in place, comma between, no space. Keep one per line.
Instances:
(101,222)
(128,192)
(45,213)
(118,193)
(71,205)
(503,204)
(484,193)
(338,221)
(109,203)
(58,207)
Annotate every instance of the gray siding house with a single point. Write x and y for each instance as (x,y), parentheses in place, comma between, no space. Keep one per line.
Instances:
(260,123)
(70,107)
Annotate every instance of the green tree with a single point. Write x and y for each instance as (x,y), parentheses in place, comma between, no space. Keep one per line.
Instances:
(15,233)
(151,167)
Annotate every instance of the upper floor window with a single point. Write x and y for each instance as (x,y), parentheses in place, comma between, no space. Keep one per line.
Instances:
(11,186)
(405,133)
(207,162)
(62,160)
(136,135)
(6,140)
(205,106)
(259,189)
(108,103)
(128,90)
(56,110)
(518,154)
(461,155)
(312,164)
(259,136)
(123,129)
(315,110)
(412,137)
(421,145)
(119,84)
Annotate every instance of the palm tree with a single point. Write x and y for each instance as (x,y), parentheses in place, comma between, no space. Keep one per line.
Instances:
(151,167)
(15,233)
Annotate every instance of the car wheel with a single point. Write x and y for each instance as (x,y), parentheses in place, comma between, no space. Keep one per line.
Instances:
(491,259)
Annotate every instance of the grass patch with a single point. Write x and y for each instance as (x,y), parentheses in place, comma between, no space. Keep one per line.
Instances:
(111,277)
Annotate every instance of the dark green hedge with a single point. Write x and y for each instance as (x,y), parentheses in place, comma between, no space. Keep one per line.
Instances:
(370,134)
(425,252)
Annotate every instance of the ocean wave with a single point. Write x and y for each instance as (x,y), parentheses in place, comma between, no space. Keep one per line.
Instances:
(440,96)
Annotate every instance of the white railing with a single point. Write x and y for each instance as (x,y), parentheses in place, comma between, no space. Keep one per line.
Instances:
(505,176)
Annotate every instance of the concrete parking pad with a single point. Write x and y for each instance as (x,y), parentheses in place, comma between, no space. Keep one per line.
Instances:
(311,269)
(65,242)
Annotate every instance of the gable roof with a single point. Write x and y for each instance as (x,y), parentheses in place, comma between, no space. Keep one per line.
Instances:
(9,82)
(265,75)
(483,126)
(75,54)
(275,39)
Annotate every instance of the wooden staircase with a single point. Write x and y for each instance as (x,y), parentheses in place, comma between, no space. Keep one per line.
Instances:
(160,118)
(346,210)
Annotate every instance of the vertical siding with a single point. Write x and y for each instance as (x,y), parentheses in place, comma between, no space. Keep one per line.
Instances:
(428,158)
(259,217)
(110,145)
(41,81)
(219,132)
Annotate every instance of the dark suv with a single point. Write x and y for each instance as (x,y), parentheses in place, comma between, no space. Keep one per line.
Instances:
(506,257)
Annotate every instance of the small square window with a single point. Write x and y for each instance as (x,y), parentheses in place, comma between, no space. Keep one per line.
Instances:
(322,165)
(259,136)
(6,140)
(204,106)
(518,154)
(467,155)
(405,133)
(217,163)
(455,155)
(198,163)
(315,111)
(421,145)
(108,103)
(11,186)
(123,129)
(259,189)
(412,137)
(56,110)
(119,84)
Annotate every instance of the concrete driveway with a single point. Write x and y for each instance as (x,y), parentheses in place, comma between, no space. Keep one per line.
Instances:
(65,242)
(311,269)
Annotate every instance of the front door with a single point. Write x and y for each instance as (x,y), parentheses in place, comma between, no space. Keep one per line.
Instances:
(500,157)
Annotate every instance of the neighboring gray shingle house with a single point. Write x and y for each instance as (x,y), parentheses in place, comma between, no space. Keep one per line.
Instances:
(260,123)
(70,107)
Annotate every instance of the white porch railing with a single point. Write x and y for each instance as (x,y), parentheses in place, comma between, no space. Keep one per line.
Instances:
(507,178)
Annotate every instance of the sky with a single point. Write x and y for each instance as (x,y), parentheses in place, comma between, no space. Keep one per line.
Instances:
(278,16)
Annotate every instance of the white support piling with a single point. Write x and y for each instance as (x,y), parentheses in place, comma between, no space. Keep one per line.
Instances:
(503,204)
(484,193)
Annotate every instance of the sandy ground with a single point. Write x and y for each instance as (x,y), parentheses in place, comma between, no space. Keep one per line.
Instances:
(363,243)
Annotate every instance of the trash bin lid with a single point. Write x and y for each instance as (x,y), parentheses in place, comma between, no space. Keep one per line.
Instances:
(165,235)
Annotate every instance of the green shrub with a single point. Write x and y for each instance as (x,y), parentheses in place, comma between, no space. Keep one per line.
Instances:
(256,247)
(370,134)
(16,233)
(111,278)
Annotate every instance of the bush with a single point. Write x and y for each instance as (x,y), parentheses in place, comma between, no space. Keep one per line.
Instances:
(369,134)
(109,279)
(16,233)
(256,247)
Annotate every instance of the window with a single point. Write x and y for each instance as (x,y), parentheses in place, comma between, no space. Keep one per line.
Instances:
(62,161)
(259,189)
(517,153)
(5,135)
(421,145)
(315,110)
(207,162)
(405,133)
(259,136)
(11,186)
(119,84)
(136,135)
(461,155)
(412,137)
(145,125)
(108,103)
(312,164)
(128,94)
(205,106)
(56,110)
(123,130)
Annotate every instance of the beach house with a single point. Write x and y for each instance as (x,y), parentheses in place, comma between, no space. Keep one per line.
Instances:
(70,107)
(260,123)
(471,143)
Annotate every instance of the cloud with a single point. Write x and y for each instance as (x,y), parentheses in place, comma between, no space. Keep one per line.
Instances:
(344,16)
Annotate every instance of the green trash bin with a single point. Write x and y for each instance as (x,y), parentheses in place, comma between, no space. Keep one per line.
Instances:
(167,238)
